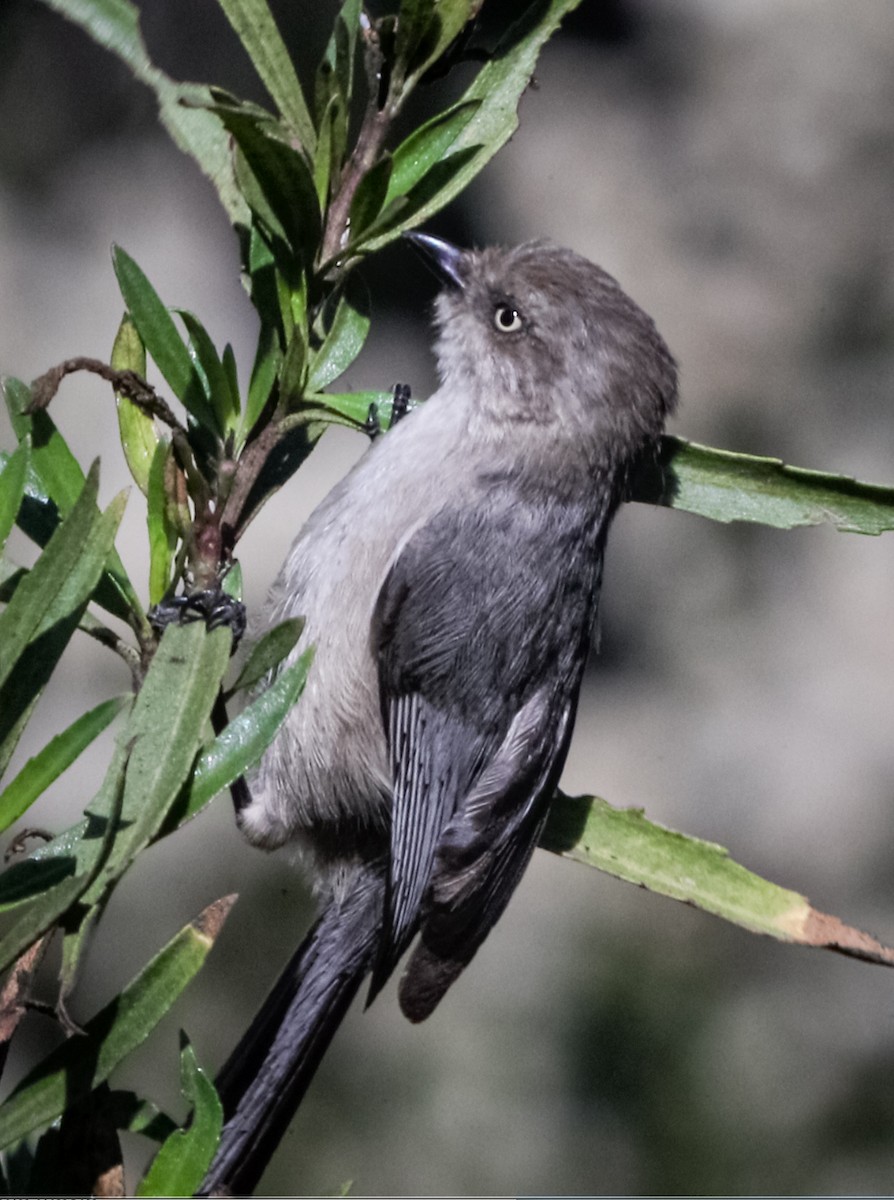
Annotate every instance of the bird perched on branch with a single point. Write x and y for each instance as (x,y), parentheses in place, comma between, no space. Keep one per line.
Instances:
(450,584)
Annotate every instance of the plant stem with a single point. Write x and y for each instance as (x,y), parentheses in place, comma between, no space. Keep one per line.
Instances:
(370,141)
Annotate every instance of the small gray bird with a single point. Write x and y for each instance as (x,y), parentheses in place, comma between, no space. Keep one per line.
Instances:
(450,585)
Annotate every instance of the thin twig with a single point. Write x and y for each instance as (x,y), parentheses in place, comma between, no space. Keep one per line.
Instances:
(126,383)
(107,637)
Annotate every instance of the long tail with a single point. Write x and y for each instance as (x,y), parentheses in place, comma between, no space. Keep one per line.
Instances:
(264,1079)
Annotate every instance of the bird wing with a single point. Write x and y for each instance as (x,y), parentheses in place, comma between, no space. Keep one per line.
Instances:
(481,633)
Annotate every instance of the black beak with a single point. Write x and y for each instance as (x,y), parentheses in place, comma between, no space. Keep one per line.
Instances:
(444,258)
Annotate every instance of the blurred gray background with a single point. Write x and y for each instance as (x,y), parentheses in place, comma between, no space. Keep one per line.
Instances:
(732,163)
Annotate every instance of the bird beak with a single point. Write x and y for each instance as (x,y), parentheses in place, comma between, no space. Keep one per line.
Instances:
(444,258)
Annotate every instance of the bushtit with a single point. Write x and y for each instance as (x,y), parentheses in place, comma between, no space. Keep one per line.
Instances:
(450,585)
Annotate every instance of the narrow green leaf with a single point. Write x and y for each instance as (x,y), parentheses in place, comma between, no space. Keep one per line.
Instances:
(497,88)
(281,464)
(232,582)
(160,337)
(27,881)
(268,360)
(30,666)
(77,869)
(425,30)
(60,582)
(284,195)
(345,337)
(161,739)
(623,843)
(414,21)
(335,74)
(22,708)
(162,532)
(12,488)
(427,146)
(293,374)
(260,266)
(268,651)
(55,481)
(47,606)
(137,430)
(223,398)
(52,462)
(48,764)
(254,23)
(165,730)
(180,1165)
(183,107)
(400,213)
(81,1063)
(370,197)
(228,360)
(354,407)
(726,487)
(326,157)
(245,738)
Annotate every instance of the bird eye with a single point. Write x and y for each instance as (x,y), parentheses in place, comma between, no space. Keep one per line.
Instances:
(507,319)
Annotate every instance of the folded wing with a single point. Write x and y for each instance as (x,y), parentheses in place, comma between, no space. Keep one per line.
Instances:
(480,658)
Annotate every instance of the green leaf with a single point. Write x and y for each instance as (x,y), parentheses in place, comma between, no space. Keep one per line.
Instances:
(232,582)
(160,337)
(293,373)
(335,74)
(224,397)
(27,881)
(165,731)
(260,266)
(497,88)
(413,20)
(278,183)
(58,586)
(47,606)
(228,360)
(427,146)
(162,737)
(369,198)
(258,33)
(55,481)
(34,879)
(268,651)
(180,1165)
(400,213)
(622,843)
(726,487)
(354,407)
(81,1063)
(330,148)
(48,764)
(425,30)
(114,24)
(268,360)
(12,488)
(297,440)
(137,430)
(345,337)
(245,738)
(162,531)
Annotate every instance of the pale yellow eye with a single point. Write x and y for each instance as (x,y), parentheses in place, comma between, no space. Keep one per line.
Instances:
(507,319)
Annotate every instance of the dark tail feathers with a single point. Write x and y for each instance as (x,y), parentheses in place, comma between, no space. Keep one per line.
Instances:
(266,1076)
